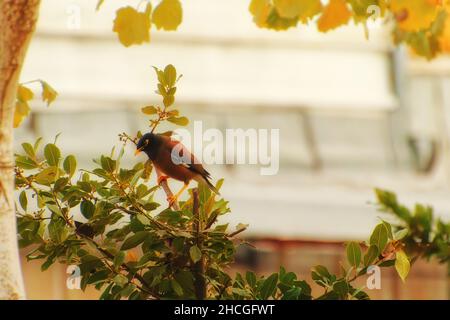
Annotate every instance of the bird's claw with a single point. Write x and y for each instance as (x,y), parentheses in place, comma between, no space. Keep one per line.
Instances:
(171,199)
(161,179)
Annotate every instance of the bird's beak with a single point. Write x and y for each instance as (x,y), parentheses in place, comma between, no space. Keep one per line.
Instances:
(138,151)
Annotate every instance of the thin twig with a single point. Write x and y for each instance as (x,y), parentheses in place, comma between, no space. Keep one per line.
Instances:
(199,266)
(231,235)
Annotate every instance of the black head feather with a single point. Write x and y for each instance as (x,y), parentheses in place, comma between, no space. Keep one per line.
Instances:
(149,143)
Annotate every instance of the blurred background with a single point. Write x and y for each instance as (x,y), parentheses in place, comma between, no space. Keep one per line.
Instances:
(353,114)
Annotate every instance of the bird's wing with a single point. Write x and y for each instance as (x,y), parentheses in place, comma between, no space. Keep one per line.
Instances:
(185,158)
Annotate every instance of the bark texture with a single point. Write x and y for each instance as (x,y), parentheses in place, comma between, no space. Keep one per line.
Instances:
(17,23)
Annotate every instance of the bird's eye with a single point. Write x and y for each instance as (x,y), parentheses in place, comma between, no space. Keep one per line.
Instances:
(147,142)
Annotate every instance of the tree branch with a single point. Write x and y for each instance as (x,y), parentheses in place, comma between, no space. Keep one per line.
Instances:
(199,266)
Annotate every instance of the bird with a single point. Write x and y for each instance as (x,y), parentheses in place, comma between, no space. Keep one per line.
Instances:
(180,165)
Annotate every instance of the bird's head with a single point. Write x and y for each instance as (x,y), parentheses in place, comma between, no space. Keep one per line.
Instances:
(150,143)
(145,143)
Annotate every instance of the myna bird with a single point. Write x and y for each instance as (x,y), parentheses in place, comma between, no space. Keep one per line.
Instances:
(180,165)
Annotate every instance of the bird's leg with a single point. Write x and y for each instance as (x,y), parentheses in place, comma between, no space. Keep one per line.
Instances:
(174,198)
(161,179)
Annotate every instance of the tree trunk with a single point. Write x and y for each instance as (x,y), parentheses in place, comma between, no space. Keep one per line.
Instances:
(17,23)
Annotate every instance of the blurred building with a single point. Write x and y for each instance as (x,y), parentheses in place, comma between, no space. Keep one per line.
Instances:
(353,114)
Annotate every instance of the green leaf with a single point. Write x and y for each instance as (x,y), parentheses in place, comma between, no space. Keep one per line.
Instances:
(148,167)
(292,294)
(168,100)
(50,260)
(186,281)
(47,176)
(160,75)
(251,278)
(106,295)
(321,275)
(136,177)
(379,237)
(108,164)
(70,165)
(354,254)
(87,209)
(120,280)
(36,144)
(170,74)
(388,200)
(400,234)
(402,264)
(241,293)
(25,163)
(371,254)
(60,184)
(23,200)
(149,110)
(287,278)
(57,230)
(129,288)
(358,294)
(99,276)
(101,173)
(176,287)
(195,253)
(52,154)
(181,121)
(389,229)
(145,258)
(29,150)
(341,288)
(269,286)
(134,240)
(119,259)
(305,294)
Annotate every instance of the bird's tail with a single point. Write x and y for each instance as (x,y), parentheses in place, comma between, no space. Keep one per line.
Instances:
(210,185)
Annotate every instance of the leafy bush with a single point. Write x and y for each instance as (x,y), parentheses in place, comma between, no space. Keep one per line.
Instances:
(107,222)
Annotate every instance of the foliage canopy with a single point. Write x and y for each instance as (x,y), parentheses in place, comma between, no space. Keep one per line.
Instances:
(424,25)
(107,222)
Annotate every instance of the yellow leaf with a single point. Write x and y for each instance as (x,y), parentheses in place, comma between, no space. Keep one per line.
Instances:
(48,93)
(288,8)
(149,110)
(301,9)
(20,112)
(168,15)
(363,9)
(22,108)
(402,264)
(310,9)
(260,9)
(132,26)
(415,15)
(335,14)
(24,94)
(275,22)
(444,39)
